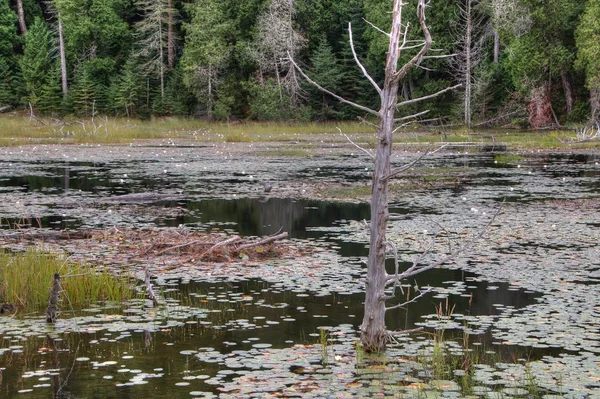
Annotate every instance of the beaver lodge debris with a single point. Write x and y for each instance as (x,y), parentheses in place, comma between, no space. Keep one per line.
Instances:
(167,246)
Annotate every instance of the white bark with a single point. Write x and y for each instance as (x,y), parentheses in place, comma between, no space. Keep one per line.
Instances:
(63,58)
(21,14)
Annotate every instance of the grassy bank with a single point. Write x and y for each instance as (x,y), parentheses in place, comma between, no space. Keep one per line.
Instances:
(19,129)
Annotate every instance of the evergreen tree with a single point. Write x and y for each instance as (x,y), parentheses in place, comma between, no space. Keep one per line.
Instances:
(207,51)
(85,94)
(588,53)
(327,70)
(8,29)
(178,99)
(36,63)
(8,42)
(127,90)
(50,101)
(153,43)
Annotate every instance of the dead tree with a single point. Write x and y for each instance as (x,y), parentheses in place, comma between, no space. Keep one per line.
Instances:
(52,308)
(374,335)
(469,53)
(278,43)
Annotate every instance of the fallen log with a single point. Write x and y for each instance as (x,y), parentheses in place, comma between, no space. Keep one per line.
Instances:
(223,243)
(264,241)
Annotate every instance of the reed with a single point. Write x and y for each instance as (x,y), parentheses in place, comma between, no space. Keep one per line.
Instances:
(26,278)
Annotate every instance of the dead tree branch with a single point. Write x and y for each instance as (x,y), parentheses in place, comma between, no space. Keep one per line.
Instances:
(413,163)
(360,65)
(332,94)
(223,243)
(417,269)
(427,97)
(369,153)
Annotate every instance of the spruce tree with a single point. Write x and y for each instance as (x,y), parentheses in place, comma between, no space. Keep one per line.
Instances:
(327,70)
(127,91)
(36,62)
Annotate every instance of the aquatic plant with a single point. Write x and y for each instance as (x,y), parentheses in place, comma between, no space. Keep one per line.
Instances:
(26,279)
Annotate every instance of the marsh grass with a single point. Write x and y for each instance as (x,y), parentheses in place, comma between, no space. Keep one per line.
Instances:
(19,129)
(26,278)
(508,158)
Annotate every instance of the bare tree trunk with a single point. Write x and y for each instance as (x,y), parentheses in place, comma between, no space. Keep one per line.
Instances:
(53,299)
(170,34)
(161,66)
(595,103)
(374,334)
(63,58)
(496,46)
(21,14)
(468,78)
(209,102)
(568,88)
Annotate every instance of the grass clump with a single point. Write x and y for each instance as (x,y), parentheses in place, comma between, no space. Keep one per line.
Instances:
(26,278)
(508,158)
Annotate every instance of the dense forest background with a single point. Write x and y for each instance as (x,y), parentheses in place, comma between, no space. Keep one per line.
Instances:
(525,62)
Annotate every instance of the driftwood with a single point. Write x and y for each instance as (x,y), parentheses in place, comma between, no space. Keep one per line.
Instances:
(264,241)
(53,300)
(224,243)
(5,108)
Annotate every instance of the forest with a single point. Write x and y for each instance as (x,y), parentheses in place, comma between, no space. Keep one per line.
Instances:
(524,63)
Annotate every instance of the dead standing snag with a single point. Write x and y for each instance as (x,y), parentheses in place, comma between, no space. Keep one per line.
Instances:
(374,334)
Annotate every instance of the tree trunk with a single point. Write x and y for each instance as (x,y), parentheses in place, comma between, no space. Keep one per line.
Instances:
(374,334)
(161,66)
(568,89)
(468,79)
(595,103)
(63,58)
(170,34)
(21,14)
(496,46)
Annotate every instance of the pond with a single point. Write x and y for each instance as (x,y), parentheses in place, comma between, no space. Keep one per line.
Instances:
(528,293)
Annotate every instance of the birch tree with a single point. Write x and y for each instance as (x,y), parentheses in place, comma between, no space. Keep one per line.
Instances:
(381,286)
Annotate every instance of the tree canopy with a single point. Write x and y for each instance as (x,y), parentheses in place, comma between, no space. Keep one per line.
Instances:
(230,59)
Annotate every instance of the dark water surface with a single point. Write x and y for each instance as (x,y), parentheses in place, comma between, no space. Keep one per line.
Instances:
(160,362)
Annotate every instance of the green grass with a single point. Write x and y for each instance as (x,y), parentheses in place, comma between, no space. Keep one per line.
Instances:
(19,129)
(508,158)
(26,278)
